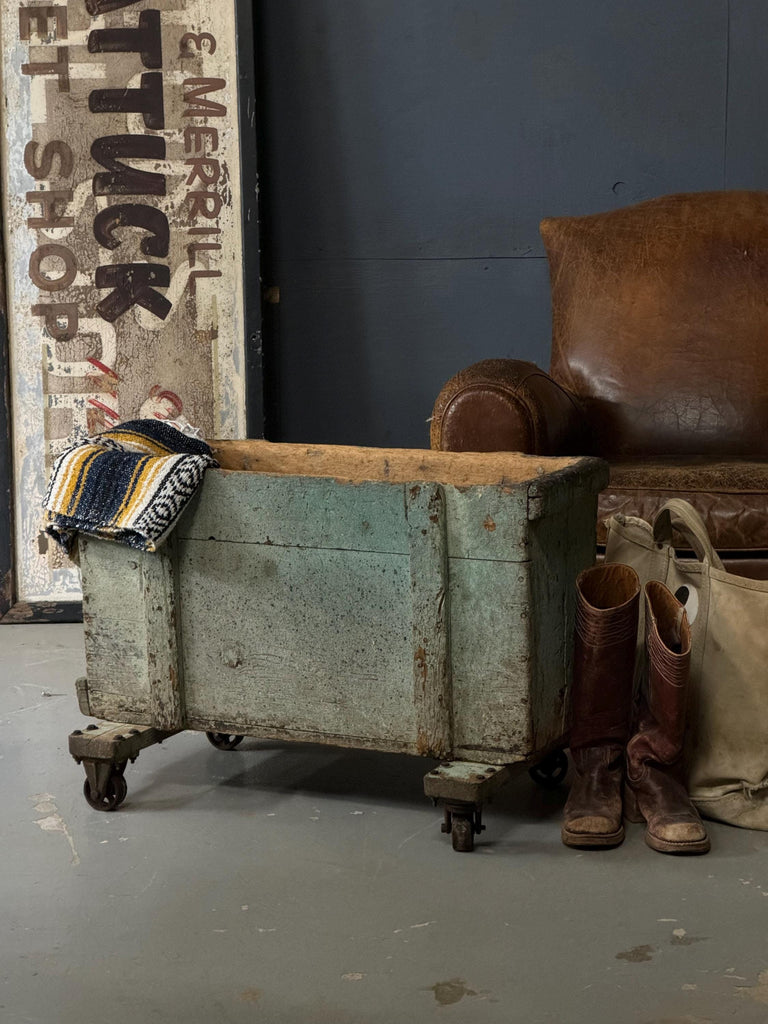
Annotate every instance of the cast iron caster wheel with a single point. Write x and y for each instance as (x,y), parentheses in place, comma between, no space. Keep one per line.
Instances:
(551,771)
(223,740)
(462,833)
(115,793)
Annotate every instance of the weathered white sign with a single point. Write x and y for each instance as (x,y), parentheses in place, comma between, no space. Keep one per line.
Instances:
(123,232)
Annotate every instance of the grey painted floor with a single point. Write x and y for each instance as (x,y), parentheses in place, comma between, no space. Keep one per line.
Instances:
(295,885)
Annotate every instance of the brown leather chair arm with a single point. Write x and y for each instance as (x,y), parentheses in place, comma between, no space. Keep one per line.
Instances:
(507,405)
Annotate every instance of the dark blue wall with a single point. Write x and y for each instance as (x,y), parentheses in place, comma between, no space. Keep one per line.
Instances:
(410,148)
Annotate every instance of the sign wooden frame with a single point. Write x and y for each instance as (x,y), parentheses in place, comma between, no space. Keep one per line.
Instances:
(242,390)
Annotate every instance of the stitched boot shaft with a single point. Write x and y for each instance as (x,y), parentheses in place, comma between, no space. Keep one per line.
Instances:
(607,606)
(655,752)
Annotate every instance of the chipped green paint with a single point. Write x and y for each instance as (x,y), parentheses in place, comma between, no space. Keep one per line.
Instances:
(375,615)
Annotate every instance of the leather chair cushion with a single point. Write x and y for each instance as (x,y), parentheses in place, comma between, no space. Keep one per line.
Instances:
(731,496)
(660,324)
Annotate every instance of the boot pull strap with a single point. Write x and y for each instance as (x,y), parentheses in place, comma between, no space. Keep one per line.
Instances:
(683,516)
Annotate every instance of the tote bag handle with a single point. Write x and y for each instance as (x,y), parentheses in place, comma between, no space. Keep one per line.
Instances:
(681,515)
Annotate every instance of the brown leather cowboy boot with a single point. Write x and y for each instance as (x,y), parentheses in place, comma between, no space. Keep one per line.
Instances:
(607,606)
(657,792)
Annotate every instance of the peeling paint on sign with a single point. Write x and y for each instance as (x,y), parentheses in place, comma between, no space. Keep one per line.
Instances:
(120,158)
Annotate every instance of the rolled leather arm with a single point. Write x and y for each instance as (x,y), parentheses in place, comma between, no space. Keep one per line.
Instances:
(507,405)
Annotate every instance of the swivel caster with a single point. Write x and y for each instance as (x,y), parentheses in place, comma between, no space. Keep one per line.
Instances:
(464,822)
(551,771)
(224,740)
(105,787)
(115,791)
(104,750)
(462,833)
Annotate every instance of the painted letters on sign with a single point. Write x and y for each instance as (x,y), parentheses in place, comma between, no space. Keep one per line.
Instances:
(123,233)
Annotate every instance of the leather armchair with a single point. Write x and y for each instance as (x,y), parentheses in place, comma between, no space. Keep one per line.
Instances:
(659,365)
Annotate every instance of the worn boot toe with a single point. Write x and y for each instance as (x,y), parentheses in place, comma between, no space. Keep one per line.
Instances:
(678,837)
(592,830)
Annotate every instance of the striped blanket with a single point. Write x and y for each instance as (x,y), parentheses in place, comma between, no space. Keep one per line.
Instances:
(129,484)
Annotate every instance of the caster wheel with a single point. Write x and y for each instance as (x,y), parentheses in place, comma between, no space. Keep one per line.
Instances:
(223,740)
(116,792)
(551,771)
(462,833)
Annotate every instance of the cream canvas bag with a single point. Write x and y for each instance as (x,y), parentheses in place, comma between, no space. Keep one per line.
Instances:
(727,743)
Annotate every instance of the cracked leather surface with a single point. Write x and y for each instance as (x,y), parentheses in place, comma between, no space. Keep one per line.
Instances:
(660,324)
(736,520)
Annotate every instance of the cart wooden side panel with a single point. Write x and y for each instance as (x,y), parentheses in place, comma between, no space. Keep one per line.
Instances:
(414,616)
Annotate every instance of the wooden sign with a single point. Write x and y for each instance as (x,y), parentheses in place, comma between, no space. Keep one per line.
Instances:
(123,223)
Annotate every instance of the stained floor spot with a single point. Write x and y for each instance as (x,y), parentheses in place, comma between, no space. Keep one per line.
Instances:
(680,937)
(447,992)
(53,821)
(758,992)
(250,995)
(637,955)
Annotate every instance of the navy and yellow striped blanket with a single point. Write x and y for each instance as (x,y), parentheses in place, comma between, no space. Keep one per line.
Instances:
(129,484)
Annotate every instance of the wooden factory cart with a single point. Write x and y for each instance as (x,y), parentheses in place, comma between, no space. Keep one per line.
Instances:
(409,601)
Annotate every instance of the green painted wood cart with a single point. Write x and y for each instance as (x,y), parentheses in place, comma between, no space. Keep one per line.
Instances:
(410,601)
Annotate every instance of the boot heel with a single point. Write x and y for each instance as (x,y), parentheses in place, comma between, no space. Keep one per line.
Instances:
(632,810)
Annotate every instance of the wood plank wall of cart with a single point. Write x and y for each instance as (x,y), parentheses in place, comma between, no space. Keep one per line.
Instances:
(414,617)
(6,544)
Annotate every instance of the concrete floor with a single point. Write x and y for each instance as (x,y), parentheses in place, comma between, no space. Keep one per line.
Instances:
(295,885)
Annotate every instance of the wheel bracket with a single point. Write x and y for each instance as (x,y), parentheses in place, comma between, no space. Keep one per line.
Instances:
(105,749)
(98,774)
(462,788)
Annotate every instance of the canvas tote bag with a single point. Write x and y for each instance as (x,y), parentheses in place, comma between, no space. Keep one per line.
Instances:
(727,741)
